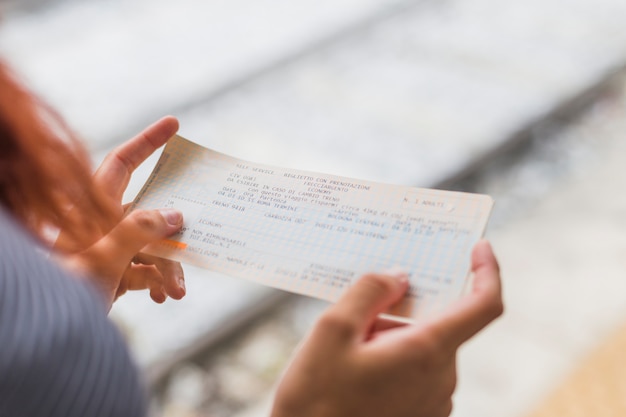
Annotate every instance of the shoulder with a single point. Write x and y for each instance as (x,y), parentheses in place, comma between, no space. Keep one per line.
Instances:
(60,355)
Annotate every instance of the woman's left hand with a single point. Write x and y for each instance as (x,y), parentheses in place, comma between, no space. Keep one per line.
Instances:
(112,258)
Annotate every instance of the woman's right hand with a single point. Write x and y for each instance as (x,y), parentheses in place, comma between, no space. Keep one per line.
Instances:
(111,257)
(108,263)
(355,364)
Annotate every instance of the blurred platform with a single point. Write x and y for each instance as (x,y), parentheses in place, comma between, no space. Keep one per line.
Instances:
(596,388)
(563,260)
(561,243)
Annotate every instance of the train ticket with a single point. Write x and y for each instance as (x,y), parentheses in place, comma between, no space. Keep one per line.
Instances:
(310,233)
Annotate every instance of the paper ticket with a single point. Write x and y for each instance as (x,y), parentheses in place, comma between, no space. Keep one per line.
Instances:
(310,233)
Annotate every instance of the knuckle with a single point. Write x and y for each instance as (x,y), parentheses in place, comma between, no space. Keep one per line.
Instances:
(494,308)
(496,267)
(449,386)
(336,324)
(442,403)
(378,283)
(446,409)
(430,346)
(119,155)
(432,355)
(145,219)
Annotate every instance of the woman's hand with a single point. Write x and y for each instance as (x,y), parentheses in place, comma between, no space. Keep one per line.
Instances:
(111,258)
(355,364)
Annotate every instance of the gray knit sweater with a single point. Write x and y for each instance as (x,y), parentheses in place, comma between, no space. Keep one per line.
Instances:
(59,354)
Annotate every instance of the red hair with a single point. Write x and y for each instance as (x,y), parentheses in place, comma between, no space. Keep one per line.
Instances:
(44,170)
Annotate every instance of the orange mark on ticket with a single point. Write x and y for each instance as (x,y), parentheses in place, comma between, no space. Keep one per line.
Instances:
(174,243)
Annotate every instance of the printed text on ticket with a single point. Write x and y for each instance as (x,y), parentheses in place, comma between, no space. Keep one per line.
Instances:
(311,233)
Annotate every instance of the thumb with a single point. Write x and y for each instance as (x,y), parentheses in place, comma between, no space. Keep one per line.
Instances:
(135,231)
(364,301)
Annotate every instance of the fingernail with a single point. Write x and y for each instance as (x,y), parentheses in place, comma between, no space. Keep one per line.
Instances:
(181,283)
(172,217)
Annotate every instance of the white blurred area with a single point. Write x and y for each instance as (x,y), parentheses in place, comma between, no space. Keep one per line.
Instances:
(412,92)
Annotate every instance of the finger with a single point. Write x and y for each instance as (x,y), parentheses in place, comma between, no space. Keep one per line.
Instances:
(135,277)
(116,169)
(173,277)
(135,231)
(476,310)
(157,293)
(141,277)
(357,309)
(381,325)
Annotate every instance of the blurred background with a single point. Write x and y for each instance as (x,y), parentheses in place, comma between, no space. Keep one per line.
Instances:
(525,101)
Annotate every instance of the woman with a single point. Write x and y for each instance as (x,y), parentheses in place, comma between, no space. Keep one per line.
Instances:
(60,356)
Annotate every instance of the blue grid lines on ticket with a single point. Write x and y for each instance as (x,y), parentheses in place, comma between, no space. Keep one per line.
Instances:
(310,233)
